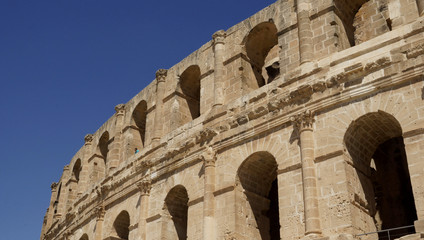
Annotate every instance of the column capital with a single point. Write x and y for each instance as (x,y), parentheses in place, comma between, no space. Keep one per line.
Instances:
(88,139)
(67,234)
(209,157)
(120,109)
(144,186)
(161,75)
(303,121)
(100,212)
(53,186)
(219,37)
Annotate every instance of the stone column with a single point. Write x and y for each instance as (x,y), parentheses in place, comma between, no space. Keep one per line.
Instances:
(144,186)
(218,47)
(63,195)
(304,31)
(208,197)
(160,90)
(51,205)
(100,211)
(420,4)
(86,168)
(115,148)
(303,122)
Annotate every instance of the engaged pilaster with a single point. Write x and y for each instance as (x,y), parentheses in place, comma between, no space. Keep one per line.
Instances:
(100,212)
(218,47)
(115,148)
(144,186)
(304,31)
(303,122)
(160,89)
(85,171)
(209,187)
(52,206)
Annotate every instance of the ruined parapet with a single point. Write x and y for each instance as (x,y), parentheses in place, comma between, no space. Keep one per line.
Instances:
(289,145)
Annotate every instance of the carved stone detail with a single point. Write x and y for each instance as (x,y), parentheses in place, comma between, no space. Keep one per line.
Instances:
(144,186)
(209,157)
(103,190)
(206,135)
(161,75)
(219,37)
(88,139)
(120,109)
(53,186)
(100,213)
(303,121)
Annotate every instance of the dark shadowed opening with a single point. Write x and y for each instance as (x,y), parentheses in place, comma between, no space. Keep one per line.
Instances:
(139,117)
(176,206)
(76,170)
(262,51)
(375,143)
(190,86)
(122,224)
(258,177)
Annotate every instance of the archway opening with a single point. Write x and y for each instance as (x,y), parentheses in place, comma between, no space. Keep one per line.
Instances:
(139,120)
(176,209)
(190,87)
(261,45)
(375,144)
(76,170)
(103,146)
(257,176)
(56,202)
(121,225)
(362,20)
(84,237)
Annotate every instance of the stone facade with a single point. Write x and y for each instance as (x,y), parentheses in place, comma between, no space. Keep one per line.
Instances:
(304,121)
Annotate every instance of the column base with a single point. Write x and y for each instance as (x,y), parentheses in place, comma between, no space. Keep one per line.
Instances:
(314,236)
(419,226)
(343,236)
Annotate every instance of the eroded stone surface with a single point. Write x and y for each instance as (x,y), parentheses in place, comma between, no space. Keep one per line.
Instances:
(289,125)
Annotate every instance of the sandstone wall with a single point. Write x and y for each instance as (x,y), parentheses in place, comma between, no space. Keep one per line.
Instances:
(284,126)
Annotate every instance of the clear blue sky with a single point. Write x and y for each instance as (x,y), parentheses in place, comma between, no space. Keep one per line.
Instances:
(65,64)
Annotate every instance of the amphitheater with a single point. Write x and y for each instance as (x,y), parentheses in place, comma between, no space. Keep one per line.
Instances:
(304,121)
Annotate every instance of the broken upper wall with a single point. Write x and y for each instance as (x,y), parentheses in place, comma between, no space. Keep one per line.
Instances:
(340,24)
(253,53)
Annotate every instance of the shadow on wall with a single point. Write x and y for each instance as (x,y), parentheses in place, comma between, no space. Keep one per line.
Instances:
(375,144)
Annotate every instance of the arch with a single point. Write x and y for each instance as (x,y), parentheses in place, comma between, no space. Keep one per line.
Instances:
(56,202)
(371,20)
(103,146)
(190,87)
(359,18)
(121,225)
(84,237)
(262,50)
(99,168)
(76,170)
(257,187)
(374,142)
(175,214)
(73,184)
(139,116)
